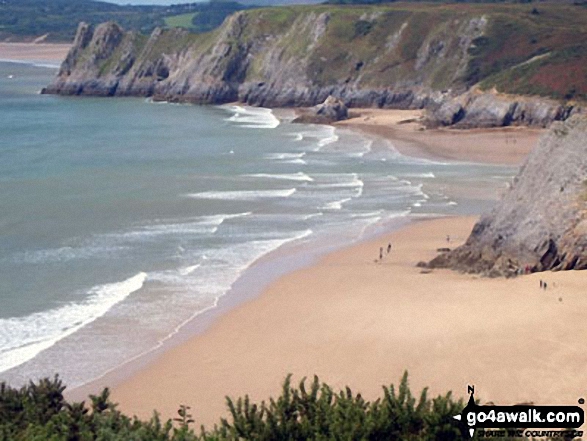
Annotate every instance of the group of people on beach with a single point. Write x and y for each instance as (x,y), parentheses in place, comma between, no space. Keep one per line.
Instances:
(381,251)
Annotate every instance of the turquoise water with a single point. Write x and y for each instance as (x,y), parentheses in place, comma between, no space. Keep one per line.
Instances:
(121,219)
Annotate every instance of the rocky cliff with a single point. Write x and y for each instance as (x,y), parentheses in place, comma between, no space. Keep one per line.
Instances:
(541,223)
(400,56)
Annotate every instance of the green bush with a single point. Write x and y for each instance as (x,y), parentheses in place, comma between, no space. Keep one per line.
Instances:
(39,411)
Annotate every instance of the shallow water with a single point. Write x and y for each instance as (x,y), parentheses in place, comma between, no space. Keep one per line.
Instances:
(121,219)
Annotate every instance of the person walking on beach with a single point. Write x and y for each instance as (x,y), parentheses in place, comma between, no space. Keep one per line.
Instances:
(541,284)
(380,253)
(388,247)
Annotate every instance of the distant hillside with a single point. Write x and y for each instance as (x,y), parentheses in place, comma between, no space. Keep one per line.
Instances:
(409,55)
(22,20)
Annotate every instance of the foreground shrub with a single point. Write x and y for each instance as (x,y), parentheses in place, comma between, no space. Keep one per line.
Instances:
(311,411)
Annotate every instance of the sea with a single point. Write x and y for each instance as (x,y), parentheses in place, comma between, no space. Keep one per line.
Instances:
(123,220)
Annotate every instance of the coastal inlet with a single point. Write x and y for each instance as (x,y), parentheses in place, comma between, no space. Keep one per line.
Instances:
(124,219)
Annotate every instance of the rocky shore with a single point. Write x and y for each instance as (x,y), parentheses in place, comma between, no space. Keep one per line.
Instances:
(254,59)
(541,223)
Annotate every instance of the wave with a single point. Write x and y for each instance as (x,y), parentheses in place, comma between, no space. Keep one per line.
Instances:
(354,182)
(244,195)
(280,156)
(369,214)
(329,140)
(365,148)
(242,257)
(36,63)
(419,175)
(186,271)
(253,117)
(66,254)
(203,225)
(336,205)
(174,277)
(22,338)
(300,176)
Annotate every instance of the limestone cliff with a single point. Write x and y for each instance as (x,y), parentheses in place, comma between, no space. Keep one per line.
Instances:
(400,56)
(541,223)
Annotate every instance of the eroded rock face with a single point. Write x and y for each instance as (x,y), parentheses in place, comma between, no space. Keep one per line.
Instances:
(541,223)
(486,109)
(300,62)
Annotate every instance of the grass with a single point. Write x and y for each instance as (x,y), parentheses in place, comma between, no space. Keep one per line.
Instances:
(180,21)
(410,44)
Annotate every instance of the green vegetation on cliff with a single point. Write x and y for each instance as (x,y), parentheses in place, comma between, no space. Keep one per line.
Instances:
(58,19)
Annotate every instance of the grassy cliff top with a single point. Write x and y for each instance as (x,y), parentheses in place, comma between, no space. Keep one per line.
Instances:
(531,49)
(525,49)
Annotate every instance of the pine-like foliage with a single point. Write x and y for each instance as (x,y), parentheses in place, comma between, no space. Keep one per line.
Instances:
(311,411)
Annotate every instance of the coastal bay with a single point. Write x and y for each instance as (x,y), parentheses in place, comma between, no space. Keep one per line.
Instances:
(354,321)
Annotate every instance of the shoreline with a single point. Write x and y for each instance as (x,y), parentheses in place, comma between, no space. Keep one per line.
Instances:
(355,322)
(497,146)
(243,294)
(248,287)
(53,53)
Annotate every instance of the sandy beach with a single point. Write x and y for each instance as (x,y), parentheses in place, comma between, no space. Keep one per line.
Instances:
(40,52)
(354,321)
(508,145)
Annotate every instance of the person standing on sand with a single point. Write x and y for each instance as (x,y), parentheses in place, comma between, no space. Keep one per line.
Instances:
(388,247)
(380,253)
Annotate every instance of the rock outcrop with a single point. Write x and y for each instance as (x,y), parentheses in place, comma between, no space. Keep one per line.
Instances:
(376,56)
(541,223)
(331,110)
(476,109)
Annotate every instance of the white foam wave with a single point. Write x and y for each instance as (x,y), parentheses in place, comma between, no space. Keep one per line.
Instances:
(186,271)
(368,214)
(336,205)
(22,338)
(300,176)
(66,254)
(253,117)
(280,156)
(203,225)
(239,258)
(174,277)
(329,140)
(365,148)
(296,161)
(245,195)
(310,216)
(354,181)
(419,175)
(36,63)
